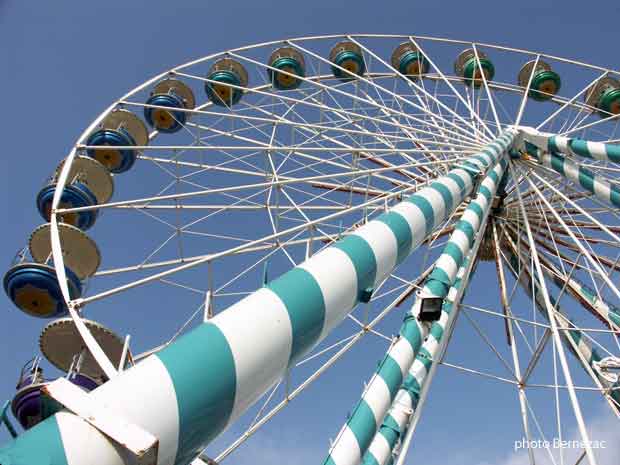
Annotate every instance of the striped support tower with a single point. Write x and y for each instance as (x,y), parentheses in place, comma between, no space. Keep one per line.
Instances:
(597,185)
(357,433)
(586,351)
(577,147)
(188,393)
(609,314)
(396,423)
(446,277)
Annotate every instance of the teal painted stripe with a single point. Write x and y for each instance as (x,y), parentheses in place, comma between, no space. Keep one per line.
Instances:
(596,356)
(580,147)
(412,387)
(425,358)
(40,445)
(468,230)
(494,176)
(589,293)
(363,425)
(390,423)
(410,331)
(369,459)
(613,152)
(575,336)
(400,228)
(447,306)
(532,149)
(363,258)
(586,180)
(437,331)
(391,374)
(552,145)
(477,209)
(437,286)
(470,168)
(427,210)
(486,193)
(453,250)
(305,304)
(557,163)
(490,153)
(485,162)
(445,193)
(459,181)
(202,368)
(614,196)
(390,434)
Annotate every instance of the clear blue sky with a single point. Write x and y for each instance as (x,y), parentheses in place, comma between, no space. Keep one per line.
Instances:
(62,63)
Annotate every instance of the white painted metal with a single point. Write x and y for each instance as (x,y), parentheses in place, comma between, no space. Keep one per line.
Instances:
(432,119)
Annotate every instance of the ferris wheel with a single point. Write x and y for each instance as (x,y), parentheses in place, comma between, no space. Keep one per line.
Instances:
(266,209)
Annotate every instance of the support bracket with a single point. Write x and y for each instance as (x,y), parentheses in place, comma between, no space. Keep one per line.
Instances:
(142,444)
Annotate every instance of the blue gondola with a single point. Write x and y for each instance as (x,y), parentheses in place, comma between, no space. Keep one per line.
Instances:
(120,128)
(224,74)
(34,289)
(169,93)
(73,196)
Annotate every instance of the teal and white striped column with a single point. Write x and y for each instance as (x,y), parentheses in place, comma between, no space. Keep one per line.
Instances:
(569,146)
(609,314)
(597,185)
(357,433)
(584,347)
(188,393)
(443,278)
(397,421)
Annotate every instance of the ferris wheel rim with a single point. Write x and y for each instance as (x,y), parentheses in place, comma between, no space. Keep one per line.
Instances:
(174,70)
(123,101)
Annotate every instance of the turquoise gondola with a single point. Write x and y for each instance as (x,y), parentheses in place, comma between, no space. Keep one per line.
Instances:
(288,60)
(34,289)
(347,55)
(408,60)
(605,96)
(169,93)
(120,128)
(545,82)
(224,74)
(472,70)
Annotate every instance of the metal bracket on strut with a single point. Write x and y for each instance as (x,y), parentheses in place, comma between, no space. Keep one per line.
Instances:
(609,369)
(203,460)
(142,444)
